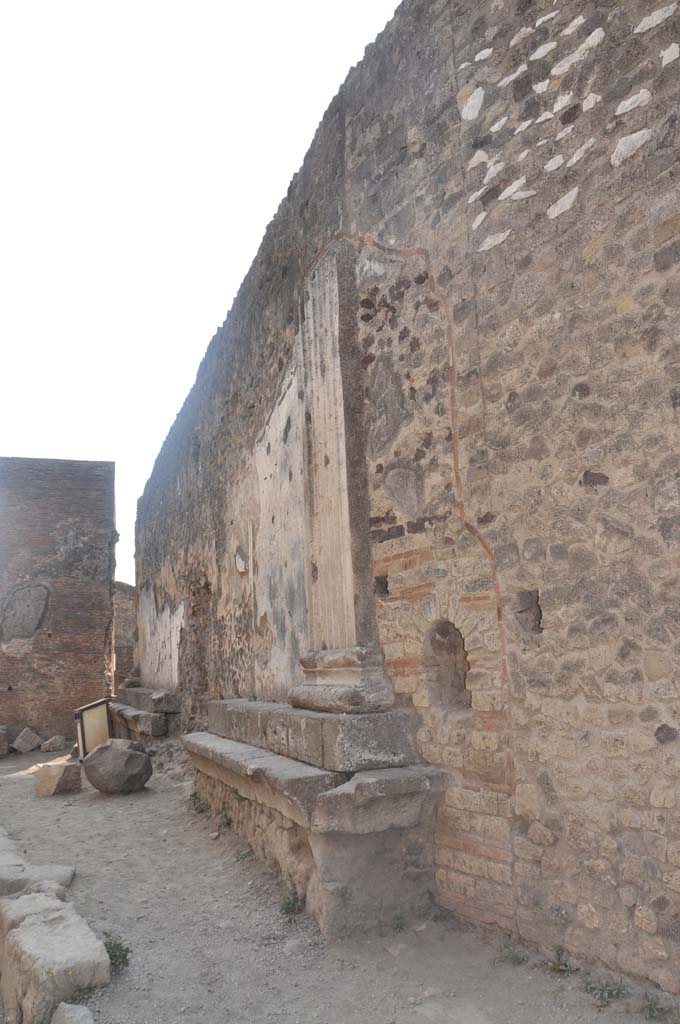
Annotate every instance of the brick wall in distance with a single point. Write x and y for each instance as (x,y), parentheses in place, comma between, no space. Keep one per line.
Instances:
(57,535)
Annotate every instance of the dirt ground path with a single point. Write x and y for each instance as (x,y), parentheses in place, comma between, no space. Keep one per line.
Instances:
(210,943)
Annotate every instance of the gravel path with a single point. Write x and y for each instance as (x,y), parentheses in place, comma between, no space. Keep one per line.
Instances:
(210,943)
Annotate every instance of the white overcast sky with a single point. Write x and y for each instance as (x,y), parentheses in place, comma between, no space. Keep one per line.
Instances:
(145,145)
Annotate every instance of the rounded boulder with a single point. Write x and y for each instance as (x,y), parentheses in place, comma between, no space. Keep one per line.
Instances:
(118,766)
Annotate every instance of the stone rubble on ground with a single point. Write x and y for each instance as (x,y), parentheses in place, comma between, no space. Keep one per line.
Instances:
(16,875)
(26,741)
(70,1013)
(53,779)
(55,743)
(118,766)
(48,954)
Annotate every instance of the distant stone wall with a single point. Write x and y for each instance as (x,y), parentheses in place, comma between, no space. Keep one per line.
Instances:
(56,578)
(488,221)
(125,625)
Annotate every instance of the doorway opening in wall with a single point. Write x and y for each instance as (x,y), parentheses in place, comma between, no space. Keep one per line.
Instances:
(446,665)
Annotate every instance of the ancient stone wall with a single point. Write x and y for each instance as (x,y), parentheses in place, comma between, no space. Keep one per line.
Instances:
(57,540)
(489,211)
(125,626)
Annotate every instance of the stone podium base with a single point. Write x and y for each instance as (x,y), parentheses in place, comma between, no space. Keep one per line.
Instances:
(356,845)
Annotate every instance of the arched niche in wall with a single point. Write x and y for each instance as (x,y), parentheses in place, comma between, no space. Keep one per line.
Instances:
(446,665)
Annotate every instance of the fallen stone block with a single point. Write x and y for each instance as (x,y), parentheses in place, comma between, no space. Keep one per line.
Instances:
(4,741)
(117,766)
(55,743)
(48,955)
(16,877)
(53,779)
(70,1013)
(26,741)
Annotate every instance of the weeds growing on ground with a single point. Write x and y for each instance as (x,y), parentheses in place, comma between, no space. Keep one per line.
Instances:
(292,905)
(511,954)
(243,855)
(560,964)
(119,953)
(652,1009)
(226,821)
(605,991)
(198,804)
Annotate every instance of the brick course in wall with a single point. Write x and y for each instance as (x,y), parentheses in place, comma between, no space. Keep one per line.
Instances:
(57,540)
(507,176)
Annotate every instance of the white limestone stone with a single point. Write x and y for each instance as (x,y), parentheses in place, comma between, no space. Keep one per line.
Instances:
(514,187)
(543,51)
(629,145)
(547,17)
(479,219)
(523,126)
(473,106)
(493,170)
(565,131)
(541,87)
(477,195)
(523,155)
(593,40)
(71,1013)
(563,204)
(547,115)
(496,127)
(656,18)
(484,54)
(562,101)
(552,165)
(518,37)
(573,26)
(638,99)
(513,77)
(670,54)
(491,241)
(591,100)
(580,152)
(480,157)
(523,195)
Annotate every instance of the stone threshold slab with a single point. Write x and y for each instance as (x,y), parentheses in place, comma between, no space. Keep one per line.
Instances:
(281,783)
(146,699)
(338,743)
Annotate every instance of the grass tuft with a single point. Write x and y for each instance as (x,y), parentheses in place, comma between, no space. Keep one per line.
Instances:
(292,905)
(605,991)
(508,953)
(119,953)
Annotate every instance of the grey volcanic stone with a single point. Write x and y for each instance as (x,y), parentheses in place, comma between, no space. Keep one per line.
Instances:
(118,766)
(26,741)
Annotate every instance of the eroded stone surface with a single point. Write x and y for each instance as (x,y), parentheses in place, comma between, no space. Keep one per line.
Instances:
(48,954)
(26,741)
(53,779)
(54,744)
(71,1013)
(117,766)
(340,743)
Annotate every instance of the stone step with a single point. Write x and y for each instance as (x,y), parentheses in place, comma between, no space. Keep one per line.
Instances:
(137,721)
(154,701)
(281,783)
(338,743)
